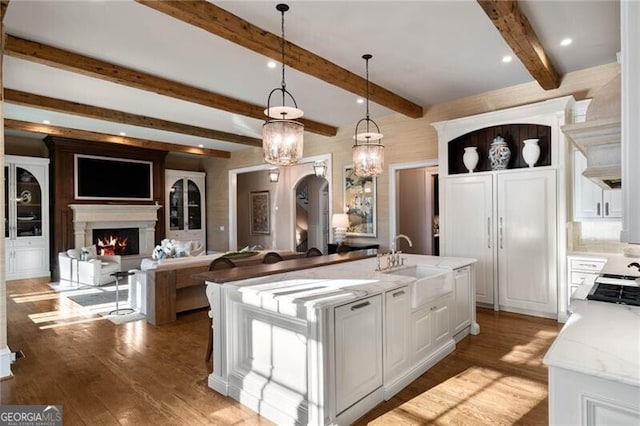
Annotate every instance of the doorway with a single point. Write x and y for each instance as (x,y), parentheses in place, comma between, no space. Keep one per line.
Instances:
(311,225)
(414,206)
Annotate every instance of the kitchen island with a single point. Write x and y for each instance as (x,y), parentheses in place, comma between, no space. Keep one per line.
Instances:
(594,363)
(325,345)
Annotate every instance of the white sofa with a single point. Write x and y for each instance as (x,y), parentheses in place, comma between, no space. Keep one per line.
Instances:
(95,271)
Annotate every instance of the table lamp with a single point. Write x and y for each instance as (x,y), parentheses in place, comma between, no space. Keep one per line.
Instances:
(340,223)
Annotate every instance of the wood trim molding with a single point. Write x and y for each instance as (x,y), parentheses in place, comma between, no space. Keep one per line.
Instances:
(517,32)
(58,105)
(3,9)
(95,68)
(218,21)
(66,132)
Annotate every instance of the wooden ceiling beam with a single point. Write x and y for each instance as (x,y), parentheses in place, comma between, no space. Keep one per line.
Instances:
(218,21)
(517,32)
(67,132)
(91,67)
(3,9)
(58,105)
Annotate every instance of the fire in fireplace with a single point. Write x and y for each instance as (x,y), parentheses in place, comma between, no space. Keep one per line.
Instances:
(124,241)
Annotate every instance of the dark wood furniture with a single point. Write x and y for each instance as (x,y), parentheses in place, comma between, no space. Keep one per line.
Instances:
(244,273)
(171,287)
(272,257)
(333,248)
(313,251)
(61,171)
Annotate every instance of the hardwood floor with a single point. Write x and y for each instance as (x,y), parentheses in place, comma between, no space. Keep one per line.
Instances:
(138,374)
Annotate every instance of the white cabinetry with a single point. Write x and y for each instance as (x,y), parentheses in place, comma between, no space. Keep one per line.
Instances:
(358,350)
(430,328)
(526,242)
(26,181)
(185,210)
(510,227)
(462,298)
(582,270)
(467,206)
(589,200)
(397,328)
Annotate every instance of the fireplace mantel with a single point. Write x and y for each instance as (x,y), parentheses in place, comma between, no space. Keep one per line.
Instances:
(87,217)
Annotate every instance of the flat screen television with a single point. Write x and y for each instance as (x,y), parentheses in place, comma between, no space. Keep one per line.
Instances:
(112,178)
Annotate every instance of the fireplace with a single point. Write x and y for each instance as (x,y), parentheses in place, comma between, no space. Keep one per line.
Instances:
(122,241)
(113,217)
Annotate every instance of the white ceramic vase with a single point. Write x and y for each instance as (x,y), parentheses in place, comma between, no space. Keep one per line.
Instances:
(470,158)
(531,151)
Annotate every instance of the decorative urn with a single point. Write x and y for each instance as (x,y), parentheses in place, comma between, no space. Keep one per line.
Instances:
(499,154)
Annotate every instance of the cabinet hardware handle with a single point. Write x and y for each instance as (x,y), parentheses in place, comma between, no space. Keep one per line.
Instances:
(606,209)
(488,232)
(589,265)
(360,305)
(398,293)
(501,235)
(598,209)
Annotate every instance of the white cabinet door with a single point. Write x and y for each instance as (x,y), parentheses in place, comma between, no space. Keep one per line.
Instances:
(441,321)
(358,350)
(461,299)
(430,327)
(527,241)
(612,202)
(587,196)
(589,200)
(185,209)
(467,227)
(397,328)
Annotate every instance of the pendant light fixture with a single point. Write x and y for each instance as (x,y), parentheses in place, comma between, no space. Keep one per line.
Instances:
(320,168)
(274,175)
(282,135)
(368,151)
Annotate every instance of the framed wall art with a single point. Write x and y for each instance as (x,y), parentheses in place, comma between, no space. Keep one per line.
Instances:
(360,203)
(259,213)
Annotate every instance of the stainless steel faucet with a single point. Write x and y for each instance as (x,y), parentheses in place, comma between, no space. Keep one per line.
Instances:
(395,255)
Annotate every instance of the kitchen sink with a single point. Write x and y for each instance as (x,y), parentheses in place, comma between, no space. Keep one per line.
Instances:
(430,283)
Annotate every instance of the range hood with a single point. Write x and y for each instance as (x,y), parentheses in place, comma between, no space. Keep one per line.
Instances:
(598,138)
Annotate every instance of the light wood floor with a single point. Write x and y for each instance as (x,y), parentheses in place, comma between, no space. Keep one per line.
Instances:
(138,374)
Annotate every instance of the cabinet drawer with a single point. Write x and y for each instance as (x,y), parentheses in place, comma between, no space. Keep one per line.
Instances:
(579,278)
(587,265)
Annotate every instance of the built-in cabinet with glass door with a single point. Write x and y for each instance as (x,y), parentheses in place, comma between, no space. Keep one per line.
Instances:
(26,217)
(186,220)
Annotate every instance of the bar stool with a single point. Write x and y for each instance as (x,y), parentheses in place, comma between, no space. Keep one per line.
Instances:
(119,275)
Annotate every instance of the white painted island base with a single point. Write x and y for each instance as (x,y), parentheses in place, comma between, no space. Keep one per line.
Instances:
(325,345)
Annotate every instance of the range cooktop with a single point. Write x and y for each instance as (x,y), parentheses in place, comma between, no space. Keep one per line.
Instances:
(615,293)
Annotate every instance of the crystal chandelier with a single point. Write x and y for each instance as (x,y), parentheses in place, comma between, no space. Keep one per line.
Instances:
(368,151)
(282,135)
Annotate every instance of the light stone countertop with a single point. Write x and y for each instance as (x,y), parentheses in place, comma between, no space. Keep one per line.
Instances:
(599,339)
(337,284)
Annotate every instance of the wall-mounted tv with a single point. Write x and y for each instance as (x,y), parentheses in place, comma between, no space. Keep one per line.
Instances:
(98,178)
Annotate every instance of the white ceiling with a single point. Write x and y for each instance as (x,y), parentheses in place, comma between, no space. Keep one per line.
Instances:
(426,51)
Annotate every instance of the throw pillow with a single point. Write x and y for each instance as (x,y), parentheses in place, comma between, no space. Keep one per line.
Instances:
(73,254)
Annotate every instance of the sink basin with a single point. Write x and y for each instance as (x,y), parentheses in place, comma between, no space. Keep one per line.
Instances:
(419,271)
(430,283)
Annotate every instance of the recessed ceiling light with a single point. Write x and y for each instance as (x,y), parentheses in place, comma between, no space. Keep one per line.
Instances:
(360,101)
(507,58)
(46,122)
(271,64)
(123,134)
(200,145)
(566,41)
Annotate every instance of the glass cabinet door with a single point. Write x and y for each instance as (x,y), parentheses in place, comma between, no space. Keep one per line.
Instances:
(28,198)
(193,204)
(176,209)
